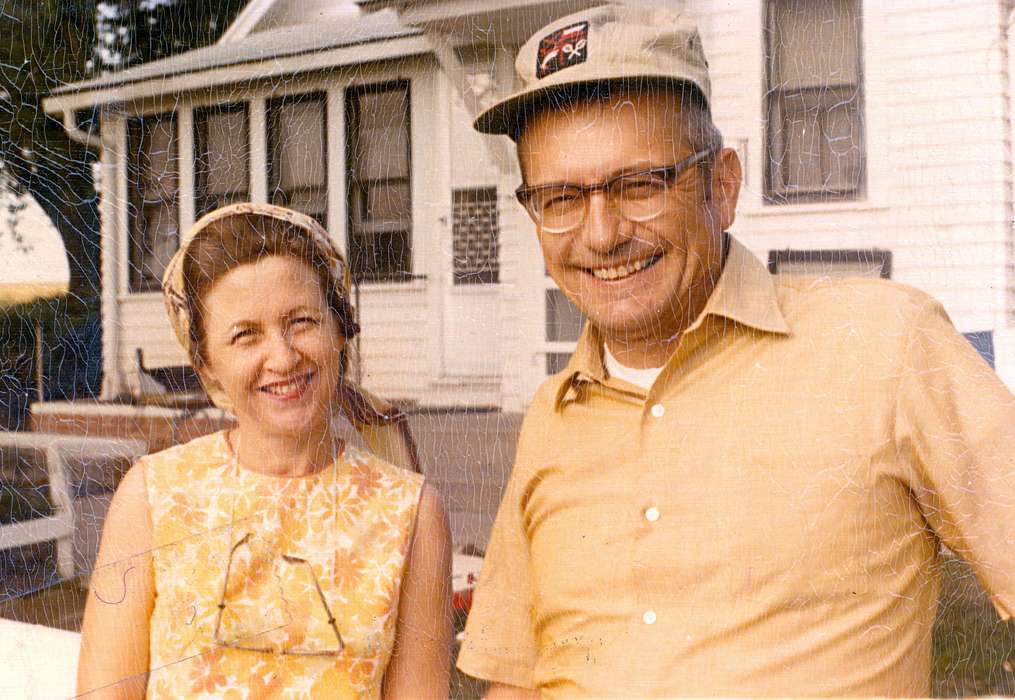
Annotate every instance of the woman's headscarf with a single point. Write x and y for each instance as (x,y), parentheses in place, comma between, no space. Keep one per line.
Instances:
(383,427)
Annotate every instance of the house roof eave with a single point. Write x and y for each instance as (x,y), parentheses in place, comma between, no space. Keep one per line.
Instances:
(245,21)
(228,74)
(475,21)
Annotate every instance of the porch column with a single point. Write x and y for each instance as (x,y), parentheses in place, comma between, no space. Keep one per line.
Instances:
(111,186)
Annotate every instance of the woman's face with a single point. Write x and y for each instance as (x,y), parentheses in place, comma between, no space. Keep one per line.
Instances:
(272,344)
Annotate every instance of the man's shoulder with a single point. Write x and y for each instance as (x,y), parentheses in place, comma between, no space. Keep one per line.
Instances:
(544,401)
(856,300)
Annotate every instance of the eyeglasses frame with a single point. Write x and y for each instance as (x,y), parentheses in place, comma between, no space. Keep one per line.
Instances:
(289,559)
(669,173)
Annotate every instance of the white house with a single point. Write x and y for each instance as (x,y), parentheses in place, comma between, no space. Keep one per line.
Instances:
(876,138)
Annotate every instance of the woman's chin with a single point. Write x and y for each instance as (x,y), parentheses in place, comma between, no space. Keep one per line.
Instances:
(296,422)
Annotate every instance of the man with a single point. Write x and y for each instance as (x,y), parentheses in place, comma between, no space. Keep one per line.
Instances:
(740,483)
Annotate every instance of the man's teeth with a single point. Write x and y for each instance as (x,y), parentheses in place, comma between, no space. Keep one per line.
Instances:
(616,273)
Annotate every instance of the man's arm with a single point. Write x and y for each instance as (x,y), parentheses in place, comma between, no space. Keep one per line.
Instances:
(500,643)
(957,420)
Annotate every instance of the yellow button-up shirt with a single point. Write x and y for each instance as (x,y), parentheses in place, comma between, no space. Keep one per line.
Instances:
(766,519)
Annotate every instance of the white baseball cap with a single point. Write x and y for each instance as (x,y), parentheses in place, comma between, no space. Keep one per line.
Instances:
(604,44)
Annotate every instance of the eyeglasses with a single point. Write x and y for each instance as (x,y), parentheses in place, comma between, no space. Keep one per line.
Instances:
(236,644)
(637,196)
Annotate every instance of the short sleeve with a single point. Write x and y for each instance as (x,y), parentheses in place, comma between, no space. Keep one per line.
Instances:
(499,644)
(957,420)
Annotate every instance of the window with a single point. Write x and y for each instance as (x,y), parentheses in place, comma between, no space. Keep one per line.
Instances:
(563,327)
(221,157)
(871,263)
(475,233)
(380,206)
(298,155)
(153,186)
(814,103)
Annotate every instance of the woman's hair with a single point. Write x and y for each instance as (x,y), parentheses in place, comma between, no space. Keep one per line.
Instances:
(246,238)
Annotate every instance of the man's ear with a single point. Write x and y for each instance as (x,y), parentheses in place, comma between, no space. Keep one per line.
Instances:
(726,178)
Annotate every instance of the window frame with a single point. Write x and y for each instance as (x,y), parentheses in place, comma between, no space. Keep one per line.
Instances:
(354,188)
(137,240)
(199,152)
(270,109)
(832,256)
(775,191)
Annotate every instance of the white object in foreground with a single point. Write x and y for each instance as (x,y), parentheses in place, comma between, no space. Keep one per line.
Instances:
(37,662)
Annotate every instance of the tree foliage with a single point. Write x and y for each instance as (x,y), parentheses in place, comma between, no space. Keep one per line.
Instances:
(138,31)
(46,44)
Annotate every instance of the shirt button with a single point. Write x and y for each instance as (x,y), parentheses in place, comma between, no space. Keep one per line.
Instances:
(658,410)
(652,514)
(649,617)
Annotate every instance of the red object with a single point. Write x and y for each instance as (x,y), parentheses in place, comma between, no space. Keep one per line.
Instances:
(462,600)
(562,49)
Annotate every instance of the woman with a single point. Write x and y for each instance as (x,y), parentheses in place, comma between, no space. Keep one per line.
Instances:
(271,559)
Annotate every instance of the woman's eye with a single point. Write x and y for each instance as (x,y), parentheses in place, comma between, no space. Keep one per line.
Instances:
(245,334)
(305,321)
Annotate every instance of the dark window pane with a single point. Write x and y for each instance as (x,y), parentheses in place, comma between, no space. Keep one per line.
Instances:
(379,184)
(815,138)
(152,183)
(387,203)
(557,361)
(872,263)
(297,143)
(161,240)
(563,319)
(221,157)
(313,202)
(298,148)
(157,158)
(382,256)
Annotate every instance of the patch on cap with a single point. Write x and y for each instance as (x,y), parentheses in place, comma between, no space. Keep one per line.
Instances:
(562,49)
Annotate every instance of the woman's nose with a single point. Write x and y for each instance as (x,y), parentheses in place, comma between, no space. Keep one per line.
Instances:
(282,355)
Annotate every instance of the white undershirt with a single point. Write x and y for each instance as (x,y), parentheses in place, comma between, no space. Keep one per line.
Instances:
(644,378)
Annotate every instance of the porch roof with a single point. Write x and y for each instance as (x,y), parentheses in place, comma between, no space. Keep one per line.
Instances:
(288,50)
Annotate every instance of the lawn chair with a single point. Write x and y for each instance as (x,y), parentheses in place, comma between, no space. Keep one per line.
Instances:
(67,459)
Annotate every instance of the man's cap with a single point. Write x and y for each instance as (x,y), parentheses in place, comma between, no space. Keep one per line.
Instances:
(606,44)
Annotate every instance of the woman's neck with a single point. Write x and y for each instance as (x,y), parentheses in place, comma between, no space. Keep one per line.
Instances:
(284,455)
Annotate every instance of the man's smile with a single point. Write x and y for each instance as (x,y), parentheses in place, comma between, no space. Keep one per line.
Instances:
(620,272)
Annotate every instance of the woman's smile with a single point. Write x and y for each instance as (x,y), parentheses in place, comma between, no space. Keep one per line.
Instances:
(291,389)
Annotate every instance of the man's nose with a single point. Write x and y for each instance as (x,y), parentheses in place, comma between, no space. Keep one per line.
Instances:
(603,229)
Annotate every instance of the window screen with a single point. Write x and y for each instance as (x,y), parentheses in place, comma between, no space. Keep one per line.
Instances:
(475,233)
(814,103)
(298,155)
(380,197)
(153,184)
(221,157)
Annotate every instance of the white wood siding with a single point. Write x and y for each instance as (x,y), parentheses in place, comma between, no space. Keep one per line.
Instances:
(397,345)
(938,186)
(939,191)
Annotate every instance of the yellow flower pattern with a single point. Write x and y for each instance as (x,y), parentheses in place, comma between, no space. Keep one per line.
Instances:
(346,528)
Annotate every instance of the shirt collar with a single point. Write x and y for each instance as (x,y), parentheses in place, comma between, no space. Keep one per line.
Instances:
(745,293)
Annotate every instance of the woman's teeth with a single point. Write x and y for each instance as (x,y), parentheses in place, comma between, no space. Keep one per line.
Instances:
(617,273)
(287,388)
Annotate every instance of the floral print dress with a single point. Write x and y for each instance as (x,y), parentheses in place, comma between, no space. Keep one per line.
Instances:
(248,565)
